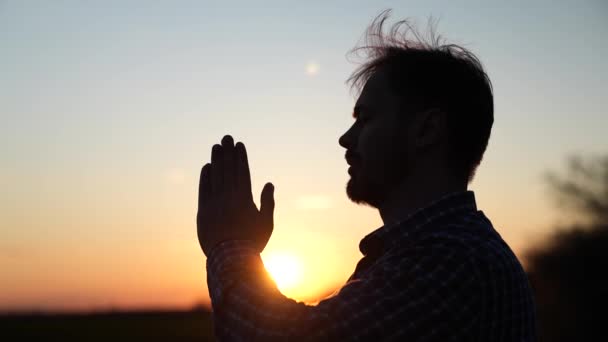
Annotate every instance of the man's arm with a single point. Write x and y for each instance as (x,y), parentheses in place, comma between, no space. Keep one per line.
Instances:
(426,293)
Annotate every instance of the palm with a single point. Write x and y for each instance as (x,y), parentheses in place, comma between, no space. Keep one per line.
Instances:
(226,208)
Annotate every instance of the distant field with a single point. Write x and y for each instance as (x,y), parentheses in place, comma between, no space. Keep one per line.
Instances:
(111,326)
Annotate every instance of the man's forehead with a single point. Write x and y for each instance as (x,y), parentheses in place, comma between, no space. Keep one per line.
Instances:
(375,87)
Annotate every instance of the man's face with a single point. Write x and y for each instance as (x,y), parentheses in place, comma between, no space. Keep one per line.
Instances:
(377,147)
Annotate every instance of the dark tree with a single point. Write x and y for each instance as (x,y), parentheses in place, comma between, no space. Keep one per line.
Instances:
(583,190)
(568,273)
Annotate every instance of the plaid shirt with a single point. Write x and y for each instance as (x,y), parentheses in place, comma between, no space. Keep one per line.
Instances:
(443,274)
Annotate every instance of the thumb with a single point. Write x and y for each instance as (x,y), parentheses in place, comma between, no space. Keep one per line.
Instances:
(267,203)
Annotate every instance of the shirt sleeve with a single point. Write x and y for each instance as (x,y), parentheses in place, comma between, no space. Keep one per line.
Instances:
(425,293)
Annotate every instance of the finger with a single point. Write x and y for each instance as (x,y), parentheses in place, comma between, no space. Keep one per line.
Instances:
(228,148)
(243,176)
(204,186)
(267,204)
(217,169)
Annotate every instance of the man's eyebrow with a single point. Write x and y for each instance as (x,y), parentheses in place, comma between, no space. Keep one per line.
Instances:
(357,110)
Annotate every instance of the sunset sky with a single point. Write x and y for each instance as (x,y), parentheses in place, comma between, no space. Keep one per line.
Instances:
(110,108)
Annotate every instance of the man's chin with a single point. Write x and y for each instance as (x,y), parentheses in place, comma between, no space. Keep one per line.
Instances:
(362,193)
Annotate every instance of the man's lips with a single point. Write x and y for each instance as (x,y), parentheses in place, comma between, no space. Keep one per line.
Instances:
(350,158)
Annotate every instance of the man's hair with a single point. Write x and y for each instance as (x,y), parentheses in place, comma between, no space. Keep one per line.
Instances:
(430,73)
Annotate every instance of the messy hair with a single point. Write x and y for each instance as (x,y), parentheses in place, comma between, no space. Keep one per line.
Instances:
(428,73)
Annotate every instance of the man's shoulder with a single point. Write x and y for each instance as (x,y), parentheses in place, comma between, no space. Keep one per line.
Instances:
(466,233)
(471,239)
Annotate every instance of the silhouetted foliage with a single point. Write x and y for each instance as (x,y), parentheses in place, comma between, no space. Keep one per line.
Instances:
(584,188)
(149,326)
(568,272)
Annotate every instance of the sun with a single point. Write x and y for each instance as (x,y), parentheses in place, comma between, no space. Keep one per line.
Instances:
(312,68)
(284,268)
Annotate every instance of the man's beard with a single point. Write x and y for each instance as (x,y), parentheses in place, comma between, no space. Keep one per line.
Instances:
(362,190)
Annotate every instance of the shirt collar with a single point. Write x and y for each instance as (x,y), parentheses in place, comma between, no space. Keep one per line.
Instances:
(386,236)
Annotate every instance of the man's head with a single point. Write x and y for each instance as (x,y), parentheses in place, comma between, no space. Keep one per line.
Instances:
(423,105)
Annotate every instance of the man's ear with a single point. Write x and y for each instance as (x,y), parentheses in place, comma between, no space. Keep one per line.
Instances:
(429,127)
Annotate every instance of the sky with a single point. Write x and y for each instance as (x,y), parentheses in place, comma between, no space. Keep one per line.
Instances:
(110,108)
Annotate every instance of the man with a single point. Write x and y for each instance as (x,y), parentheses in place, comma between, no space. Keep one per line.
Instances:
(437,270)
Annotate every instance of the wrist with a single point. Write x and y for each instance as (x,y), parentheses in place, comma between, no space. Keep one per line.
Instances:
(241,244)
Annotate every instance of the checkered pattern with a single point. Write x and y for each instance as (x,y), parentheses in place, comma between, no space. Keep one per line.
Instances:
(443,274)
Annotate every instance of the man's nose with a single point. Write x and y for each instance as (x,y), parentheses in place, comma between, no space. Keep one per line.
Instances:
(345,139)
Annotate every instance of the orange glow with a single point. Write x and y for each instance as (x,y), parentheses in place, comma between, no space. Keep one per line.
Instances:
(285,269)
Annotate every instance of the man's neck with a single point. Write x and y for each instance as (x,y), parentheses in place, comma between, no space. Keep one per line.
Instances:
(413,195)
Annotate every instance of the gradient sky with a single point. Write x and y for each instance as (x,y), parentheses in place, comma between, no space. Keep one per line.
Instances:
(110,108)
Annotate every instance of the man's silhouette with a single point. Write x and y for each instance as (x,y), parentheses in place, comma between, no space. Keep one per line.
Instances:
(436,270)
